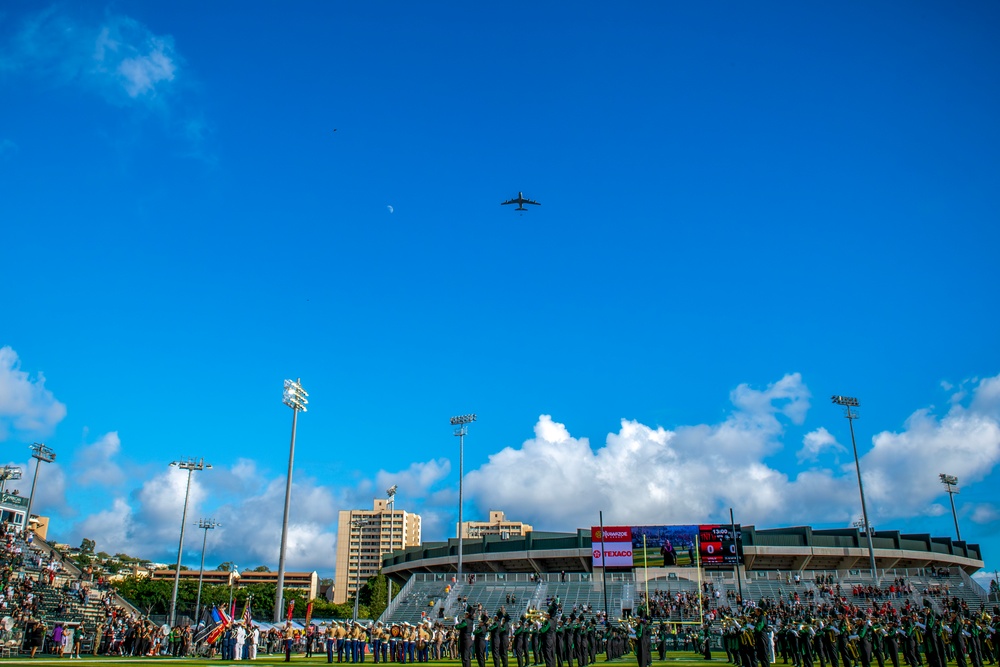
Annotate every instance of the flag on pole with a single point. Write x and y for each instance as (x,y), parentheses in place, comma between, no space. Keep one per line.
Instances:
(222,622)
(309,615)
(232,611)
(247,615)
(291,608)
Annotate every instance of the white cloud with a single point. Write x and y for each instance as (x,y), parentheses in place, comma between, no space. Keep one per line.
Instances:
(96,463)
(556,480)
(417,480)
(984,513)
(50,489)
(789,396)
(692,473)
(901,470)
(817,442)
(26,406)
(117,56)
(139,59)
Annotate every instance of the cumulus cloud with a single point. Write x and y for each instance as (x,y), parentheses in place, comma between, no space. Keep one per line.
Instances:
(417,480)
(118,57)
(788,396)
(26,407)
(50,491)
(901,470)
(816,443)
(147,521)
(557,480)
(691,473)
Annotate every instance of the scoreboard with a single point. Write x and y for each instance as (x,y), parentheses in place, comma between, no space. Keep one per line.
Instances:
(718,546)
(667,546)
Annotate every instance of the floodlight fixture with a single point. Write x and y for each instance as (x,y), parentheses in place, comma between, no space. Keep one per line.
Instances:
(294,397)
(9,472)
(851,402)
(43,454)
(391,493)
(192,465)
(845,400)
(462,422)
(951,488)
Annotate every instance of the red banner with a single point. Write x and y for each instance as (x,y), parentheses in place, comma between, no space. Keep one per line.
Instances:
(291,608)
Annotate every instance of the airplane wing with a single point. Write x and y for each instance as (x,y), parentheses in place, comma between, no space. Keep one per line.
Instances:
(509,201)
(531,201)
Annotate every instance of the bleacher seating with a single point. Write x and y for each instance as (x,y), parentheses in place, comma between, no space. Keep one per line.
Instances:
(579,590)
(58,591)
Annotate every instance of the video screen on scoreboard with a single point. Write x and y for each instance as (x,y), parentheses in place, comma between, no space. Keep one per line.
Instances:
(667,546)
(684,546)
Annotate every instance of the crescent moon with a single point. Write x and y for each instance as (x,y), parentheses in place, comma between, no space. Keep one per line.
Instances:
(390,209)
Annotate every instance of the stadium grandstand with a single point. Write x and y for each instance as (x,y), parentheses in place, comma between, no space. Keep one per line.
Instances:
(41,586)
(798,563)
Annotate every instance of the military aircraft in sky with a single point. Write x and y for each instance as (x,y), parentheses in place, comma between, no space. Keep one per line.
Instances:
(520,201)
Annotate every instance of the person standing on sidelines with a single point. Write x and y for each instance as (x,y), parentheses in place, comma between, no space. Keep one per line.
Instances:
(289,637)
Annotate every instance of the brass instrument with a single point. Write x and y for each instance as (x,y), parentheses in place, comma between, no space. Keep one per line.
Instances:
(535,616)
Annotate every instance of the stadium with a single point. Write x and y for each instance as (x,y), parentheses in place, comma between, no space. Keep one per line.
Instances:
(775,563)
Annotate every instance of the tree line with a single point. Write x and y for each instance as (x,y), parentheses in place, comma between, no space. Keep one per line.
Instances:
(153,597)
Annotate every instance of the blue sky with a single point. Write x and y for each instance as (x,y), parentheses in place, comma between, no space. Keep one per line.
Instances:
(745,209)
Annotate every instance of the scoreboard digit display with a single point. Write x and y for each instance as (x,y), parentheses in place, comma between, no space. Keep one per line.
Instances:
(717,545)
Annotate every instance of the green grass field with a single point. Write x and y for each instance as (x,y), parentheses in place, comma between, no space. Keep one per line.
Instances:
(686,658)
(654,559)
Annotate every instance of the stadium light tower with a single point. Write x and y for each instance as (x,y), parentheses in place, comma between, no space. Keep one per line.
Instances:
(360,525)
(9,472)
(295,398)
(206,525)
(950,484)
(191,465)
(43,454)
(850,402)
(462,422)
(391,493)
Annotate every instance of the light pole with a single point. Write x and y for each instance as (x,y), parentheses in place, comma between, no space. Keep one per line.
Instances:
(462,422)
(43,454)
(191,465)
(950,484)
(850,402)
(359,524)
(295,398)
(9,472)
(206,525)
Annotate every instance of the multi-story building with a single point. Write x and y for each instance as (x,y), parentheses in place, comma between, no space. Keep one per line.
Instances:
(364,537)
(498,524)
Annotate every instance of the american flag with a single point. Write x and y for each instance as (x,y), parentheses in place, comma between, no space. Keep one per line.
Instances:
(247,616)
